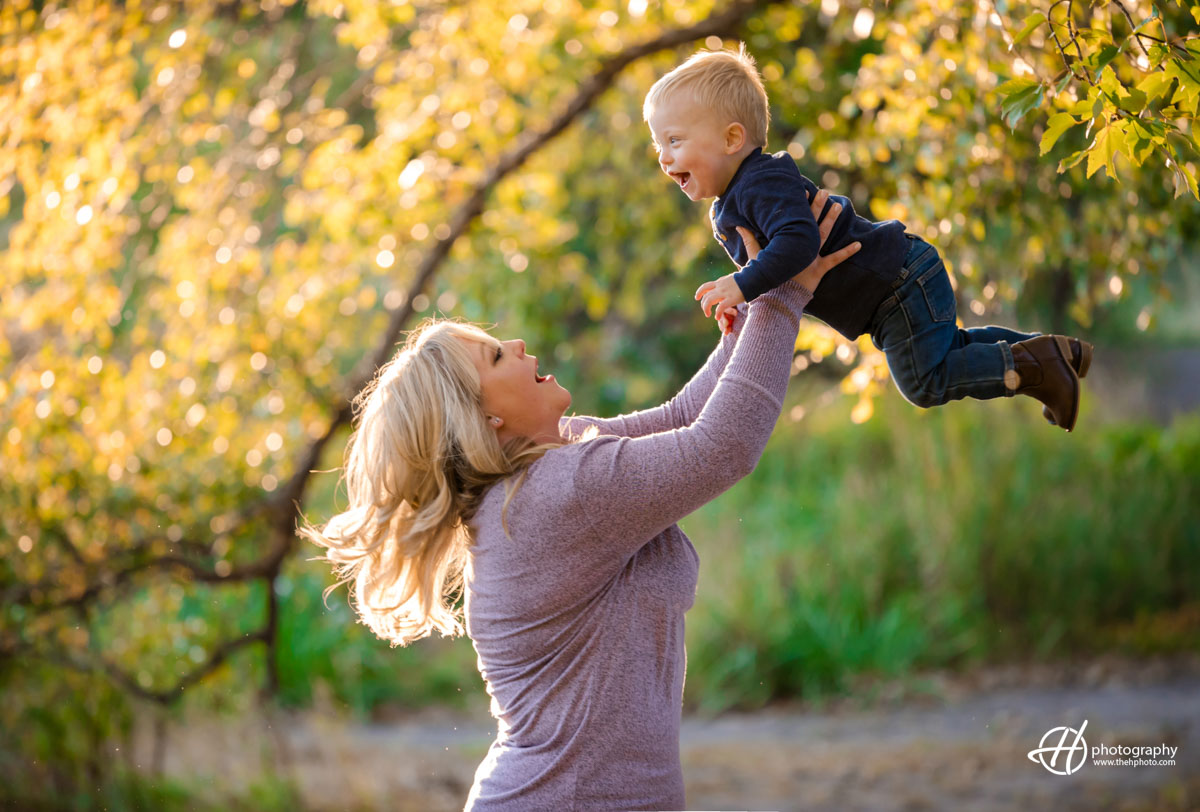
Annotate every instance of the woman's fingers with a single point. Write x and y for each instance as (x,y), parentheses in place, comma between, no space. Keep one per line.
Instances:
(705,288)
(818,203)
(841,254)
(829,221)
(752,246)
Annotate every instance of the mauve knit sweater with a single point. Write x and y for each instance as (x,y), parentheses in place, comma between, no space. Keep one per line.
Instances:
(576,613)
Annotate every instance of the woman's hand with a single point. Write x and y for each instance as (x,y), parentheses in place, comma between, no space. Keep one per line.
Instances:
(811,276)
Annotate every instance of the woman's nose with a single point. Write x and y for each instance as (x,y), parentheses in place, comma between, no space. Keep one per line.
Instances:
(521,345)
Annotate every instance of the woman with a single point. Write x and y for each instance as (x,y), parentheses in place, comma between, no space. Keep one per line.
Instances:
(576,576)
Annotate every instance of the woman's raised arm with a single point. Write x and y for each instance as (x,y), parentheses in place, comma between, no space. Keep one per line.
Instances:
(632,488)
(686,405)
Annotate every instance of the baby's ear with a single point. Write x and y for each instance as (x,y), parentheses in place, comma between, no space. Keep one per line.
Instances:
(735,137)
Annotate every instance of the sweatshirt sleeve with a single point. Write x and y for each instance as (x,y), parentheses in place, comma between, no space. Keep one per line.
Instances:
(633,488)
(677,412)
(777,205)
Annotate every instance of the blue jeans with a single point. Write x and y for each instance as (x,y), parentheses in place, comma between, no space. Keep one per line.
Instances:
(930,358)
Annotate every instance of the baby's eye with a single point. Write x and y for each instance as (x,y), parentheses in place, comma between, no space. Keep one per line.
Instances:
(674,140)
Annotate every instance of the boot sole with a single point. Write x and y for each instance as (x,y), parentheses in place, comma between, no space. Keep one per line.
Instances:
(1064,349)
(1085,358)
(1085,362)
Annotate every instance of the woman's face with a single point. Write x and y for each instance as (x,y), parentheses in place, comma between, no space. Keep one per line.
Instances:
(526,404)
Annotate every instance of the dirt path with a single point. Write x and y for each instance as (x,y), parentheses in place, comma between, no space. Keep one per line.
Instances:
(960,743)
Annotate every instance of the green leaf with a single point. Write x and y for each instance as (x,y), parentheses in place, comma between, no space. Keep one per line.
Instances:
(1156,84)
(1110,84)
(1140,142)
(1180,144)
(1134,101)
(1016,85)
(1083,107)
(1189,78)
(1117,138)
(1071,160)
(1101,152)
(1184,179)
(1055,127)
(1102,57)
(1158,129)
(1031,22)
(1018,104)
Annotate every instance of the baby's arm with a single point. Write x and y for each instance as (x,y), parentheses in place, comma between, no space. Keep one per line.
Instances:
(716,292)
(678,412)
(779,208)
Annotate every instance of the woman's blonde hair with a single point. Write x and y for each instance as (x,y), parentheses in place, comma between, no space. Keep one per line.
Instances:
(417,466)
(725,82)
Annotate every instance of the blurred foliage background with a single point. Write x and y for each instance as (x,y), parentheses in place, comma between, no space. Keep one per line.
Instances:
(216,218)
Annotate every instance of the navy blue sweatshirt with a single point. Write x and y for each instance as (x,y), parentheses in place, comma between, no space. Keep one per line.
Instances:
(770,197)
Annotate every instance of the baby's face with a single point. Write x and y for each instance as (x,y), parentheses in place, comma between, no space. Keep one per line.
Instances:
(692,147)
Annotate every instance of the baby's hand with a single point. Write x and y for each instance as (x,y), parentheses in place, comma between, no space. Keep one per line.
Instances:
(723,293)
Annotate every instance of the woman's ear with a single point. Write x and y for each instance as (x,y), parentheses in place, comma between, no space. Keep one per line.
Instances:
(495,422)
(735,138)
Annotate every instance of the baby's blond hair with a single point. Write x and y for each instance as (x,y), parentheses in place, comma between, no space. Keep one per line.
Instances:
(726,82)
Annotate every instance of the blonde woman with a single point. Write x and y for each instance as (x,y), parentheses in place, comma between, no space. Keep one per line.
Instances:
(464,475)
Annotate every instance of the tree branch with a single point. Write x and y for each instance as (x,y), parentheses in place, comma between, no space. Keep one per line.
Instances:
(722,22)
(216,658)
(285,505)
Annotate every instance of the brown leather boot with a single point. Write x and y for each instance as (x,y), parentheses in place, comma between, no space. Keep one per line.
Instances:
(1043,371)
(1081,359)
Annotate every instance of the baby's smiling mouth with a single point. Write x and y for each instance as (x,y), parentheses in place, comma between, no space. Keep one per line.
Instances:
(681,178)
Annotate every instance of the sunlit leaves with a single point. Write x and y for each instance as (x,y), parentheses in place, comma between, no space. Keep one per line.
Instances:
(1055,127)
(224,211)
(1105,145)
(1020,96)
(1126,72)
(1031,22)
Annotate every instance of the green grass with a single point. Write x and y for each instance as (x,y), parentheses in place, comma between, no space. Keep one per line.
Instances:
(946,537)
(122,790)
(941,537)
(325,655)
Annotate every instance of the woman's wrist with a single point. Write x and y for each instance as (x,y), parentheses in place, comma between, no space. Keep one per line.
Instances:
(792,293)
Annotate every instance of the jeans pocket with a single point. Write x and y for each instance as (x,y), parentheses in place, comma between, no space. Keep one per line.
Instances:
(939,296)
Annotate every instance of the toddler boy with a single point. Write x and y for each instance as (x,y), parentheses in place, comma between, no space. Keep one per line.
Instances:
(708,118)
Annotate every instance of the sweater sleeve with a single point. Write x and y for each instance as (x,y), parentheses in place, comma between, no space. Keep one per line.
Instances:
(776,204)
(677,412)
(633,488)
